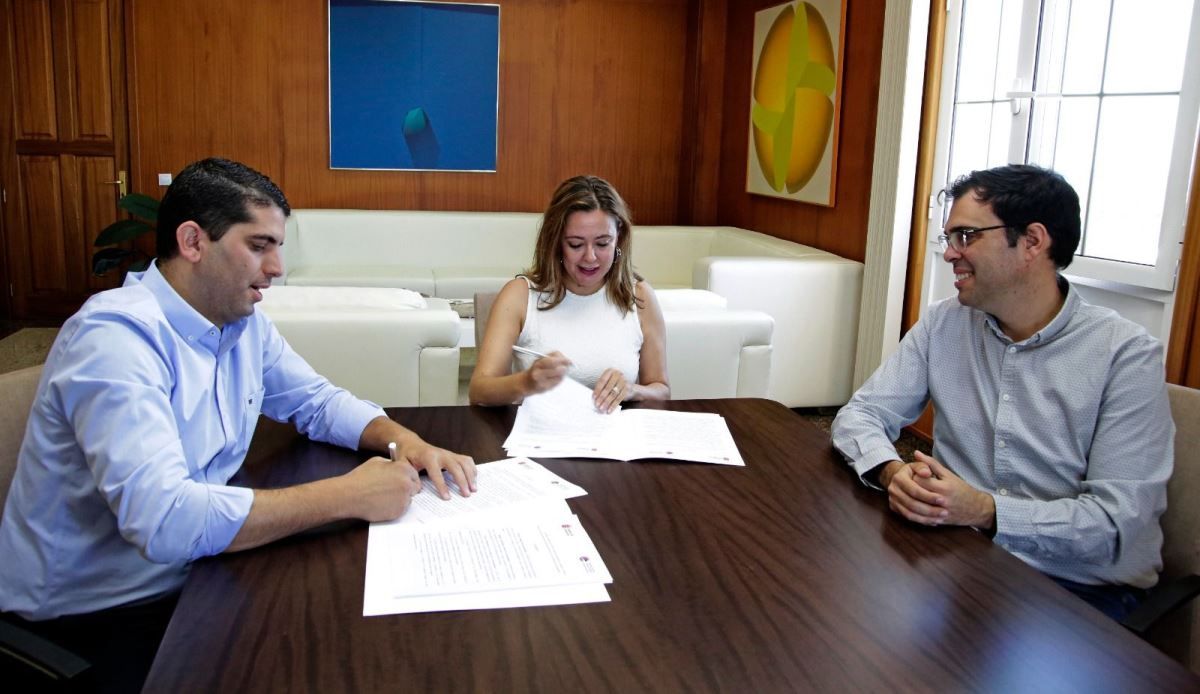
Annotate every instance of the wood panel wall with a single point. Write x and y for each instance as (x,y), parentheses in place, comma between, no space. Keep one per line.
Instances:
(651,94)
(586,86)
(842,228)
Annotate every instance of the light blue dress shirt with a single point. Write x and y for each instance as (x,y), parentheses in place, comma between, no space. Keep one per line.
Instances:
(144,411)
(1070,431)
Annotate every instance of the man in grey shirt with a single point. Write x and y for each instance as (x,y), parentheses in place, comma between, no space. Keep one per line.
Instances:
(1053,432)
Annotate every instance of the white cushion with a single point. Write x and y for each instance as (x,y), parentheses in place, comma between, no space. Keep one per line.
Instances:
(688,299)
(299,298)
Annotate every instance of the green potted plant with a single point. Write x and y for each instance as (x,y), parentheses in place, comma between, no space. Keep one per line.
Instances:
(145,212)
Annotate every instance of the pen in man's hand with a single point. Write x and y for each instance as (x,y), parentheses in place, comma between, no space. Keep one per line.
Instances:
(392,451)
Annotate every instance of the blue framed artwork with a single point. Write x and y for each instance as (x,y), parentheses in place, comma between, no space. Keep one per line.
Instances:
(413,85)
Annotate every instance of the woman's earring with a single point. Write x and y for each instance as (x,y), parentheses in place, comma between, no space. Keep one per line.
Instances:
(618,252)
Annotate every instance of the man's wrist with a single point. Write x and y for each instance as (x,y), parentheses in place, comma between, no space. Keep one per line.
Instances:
(884,472)
(408,443)
(384,430)
(986,520)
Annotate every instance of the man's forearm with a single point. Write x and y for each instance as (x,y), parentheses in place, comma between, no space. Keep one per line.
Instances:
(278,513)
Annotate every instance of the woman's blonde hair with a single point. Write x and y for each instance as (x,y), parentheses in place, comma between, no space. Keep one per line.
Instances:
(583,194)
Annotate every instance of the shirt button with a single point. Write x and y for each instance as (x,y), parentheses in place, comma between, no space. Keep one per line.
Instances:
(1003,491)
(1000,443)
(1012,350)
(1004,397)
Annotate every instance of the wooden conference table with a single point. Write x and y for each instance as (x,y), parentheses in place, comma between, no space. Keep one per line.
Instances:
(784,575)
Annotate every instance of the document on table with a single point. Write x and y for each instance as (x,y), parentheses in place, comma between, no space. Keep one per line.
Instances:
(516,485)
(562,425)
(565,407)
(512,543)
(507,563)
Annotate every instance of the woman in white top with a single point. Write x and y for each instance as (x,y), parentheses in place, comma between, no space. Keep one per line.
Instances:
(582,305)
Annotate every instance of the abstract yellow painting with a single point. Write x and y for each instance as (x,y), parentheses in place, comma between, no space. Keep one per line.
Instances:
(795,99)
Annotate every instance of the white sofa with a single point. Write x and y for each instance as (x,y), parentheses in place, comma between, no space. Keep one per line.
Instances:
(377,343)
(813,296)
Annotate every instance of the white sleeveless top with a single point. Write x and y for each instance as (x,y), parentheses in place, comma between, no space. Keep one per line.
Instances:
(588,330)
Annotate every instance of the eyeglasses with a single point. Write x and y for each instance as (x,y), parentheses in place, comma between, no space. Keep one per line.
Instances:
(961,237)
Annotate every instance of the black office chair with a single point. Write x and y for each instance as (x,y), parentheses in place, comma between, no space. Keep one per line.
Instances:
(1170,618)
(26,658)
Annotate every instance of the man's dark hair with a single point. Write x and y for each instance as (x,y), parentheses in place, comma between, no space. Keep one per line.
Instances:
(1021,194)
(214,193)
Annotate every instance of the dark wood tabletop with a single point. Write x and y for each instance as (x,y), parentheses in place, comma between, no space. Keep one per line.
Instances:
(784,575)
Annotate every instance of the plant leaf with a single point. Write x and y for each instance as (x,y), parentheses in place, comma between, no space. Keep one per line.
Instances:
(107,259)
(140,205)
(122,230)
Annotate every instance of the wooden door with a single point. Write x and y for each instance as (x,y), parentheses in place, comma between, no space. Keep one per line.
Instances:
(64,144)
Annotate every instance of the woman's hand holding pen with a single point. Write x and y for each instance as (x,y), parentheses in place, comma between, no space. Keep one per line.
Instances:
(546,372)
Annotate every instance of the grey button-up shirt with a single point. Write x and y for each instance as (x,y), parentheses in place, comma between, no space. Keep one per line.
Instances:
(1070,431)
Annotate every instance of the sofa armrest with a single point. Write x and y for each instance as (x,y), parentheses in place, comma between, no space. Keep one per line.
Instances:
(717,353)
(379,355)
(815,303)
(439,376)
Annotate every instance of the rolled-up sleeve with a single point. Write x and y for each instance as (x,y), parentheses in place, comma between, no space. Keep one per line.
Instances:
(866,428)
(118,402)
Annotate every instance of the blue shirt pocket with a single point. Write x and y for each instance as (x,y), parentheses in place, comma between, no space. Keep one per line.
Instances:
(253,405)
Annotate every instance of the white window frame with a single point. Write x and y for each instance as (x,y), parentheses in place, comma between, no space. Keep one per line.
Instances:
(1160,276)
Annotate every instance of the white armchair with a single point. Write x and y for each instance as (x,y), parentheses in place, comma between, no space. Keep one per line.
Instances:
(373,342)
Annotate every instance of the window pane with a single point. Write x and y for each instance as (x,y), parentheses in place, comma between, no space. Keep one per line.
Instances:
(1130,178)
(1085,47)
(1052,45)
(1147,47)
(1006,53)
(1043,130)
(979,139)
(1076,139)
(1000,136)
(1063,137)
(978,46)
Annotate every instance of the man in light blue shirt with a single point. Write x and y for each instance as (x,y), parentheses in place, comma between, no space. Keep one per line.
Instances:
(1053,430)
(146,407)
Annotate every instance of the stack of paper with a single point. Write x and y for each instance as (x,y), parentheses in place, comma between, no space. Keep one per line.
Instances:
(512,543)
(563,423)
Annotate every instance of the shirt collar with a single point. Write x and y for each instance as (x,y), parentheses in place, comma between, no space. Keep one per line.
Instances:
(183,318)
(1054,327)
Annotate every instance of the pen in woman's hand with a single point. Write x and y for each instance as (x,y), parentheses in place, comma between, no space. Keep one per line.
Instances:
(523,350)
